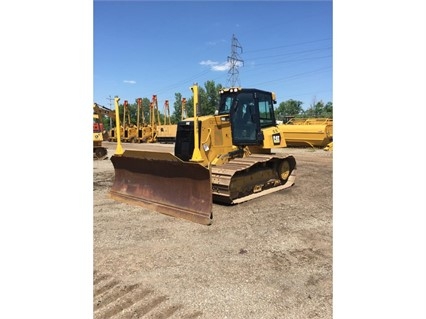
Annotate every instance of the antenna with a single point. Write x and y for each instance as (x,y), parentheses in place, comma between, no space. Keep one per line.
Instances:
(235,62)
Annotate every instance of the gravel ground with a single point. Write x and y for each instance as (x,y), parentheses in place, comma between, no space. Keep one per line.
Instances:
(267,258)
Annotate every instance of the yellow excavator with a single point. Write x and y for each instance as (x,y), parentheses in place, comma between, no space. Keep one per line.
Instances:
(223,158)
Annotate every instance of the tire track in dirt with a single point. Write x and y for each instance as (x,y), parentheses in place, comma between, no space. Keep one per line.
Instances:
(113,299)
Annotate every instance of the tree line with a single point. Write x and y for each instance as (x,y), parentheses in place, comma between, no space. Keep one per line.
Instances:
(293,108)
(208,102)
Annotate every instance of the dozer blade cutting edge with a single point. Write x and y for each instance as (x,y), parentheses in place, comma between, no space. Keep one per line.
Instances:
(163,183)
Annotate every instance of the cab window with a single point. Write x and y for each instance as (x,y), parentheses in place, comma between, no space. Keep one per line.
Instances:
(266,110)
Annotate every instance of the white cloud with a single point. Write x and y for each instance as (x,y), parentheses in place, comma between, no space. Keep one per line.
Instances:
(208,62)
(129,81)
(225,66)
(216,66)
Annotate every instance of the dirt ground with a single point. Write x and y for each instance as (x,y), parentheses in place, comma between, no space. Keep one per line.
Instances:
(267,258)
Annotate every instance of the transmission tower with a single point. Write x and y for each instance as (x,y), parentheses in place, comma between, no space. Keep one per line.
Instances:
(235,62)
(110,99)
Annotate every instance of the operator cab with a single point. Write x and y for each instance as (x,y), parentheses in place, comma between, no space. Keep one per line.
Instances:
(249,110)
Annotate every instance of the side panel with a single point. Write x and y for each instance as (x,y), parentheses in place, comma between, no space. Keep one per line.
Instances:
(273,138)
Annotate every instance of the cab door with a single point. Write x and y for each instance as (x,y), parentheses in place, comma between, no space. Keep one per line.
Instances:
(245,123)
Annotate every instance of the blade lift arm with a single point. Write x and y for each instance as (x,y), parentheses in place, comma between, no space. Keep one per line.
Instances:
(119,150)
(196,155)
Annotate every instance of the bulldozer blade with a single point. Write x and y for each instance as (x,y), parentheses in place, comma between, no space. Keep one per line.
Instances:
(163,183)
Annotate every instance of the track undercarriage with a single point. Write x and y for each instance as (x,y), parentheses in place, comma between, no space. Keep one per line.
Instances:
(243,179)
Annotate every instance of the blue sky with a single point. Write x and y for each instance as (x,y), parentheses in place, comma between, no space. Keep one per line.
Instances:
(143,48)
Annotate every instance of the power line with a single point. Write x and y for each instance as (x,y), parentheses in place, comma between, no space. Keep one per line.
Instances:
(294,53)
(288,45)
(295,76)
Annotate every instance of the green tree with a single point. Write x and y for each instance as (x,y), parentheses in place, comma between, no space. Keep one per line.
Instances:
(145,110)
(318,109)
(328,110)
(288,108)
(177,105)
(208,99)
(202,100)
(212,97)
(132,109)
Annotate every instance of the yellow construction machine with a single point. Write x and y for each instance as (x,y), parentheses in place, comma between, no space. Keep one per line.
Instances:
(154,120)
(130,131)
(147,133)
(224,158)
(99,152)
(314,132)
(329,147)
(166,133)
(144,130)
(99,132)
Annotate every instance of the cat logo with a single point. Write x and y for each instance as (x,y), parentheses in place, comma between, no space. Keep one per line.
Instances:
(276,138)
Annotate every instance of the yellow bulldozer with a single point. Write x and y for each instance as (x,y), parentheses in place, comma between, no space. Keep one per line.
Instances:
(224,158)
